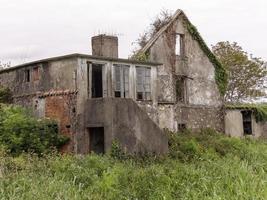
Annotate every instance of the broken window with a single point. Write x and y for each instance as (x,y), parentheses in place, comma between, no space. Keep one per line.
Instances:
(180,89)
(121,78)
(143,83)
(27,75)
(35,73)
(247,122)
(97,83)
(179,47)
(96,140)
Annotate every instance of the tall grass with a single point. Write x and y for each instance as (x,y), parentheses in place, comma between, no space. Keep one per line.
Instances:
(199,166)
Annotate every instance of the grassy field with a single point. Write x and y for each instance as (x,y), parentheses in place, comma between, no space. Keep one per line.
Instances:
(204,166)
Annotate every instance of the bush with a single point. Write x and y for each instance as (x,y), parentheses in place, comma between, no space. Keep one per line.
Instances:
(20,132)
(5,95)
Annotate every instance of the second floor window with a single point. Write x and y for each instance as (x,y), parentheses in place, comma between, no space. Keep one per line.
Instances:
(179,46)
(143,83)
(121,76)
(27,75)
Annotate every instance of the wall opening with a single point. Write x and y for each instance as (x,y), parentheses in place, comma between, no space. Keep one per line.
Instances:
(96,140)
(247,122)
(179,46)
(180,89)
(27,75)
(97,83)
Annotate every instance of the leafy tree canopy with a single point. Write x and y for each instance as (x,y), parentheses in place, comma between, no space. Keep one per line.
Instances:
(246,73)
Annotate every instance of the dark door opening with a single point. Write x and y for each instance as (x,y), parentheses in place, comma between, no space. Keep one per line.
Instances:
(97,87)
(247,122)
(96,137)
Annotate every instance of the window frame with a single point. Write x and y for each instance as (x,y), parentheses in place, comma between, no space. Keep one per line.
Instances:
(27,75)
(179,37)
(146,80)
(121,87)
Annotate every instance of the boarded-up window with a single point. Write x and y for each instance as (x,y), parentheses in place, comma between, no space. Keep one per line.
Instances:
(35,73)
(179,47)
(121,81)
(180,89)
(143,83)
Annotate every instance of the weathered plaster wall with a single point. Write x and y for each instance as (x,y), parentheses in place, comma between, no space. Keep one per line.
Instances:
(234,123)
(202,106)
(124,121)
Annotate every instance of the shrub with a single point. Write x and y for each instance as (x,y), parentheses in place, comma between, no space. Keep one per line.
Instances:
(20,132)
(5,95)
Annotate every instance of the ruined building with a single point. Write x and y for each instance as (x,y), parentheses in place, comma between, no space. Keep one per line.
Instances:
(99,98)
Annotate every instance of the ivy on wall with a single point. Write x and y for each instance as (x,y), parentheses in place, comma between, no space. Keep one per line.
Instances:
(221,76)
(259,110)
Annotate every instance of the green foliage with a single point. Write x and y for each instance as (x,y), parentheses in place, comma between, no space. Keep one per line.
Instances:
(259,110)
(19,132)
(246,73)
(221,76)
(5,95)
(139,56)
(210,166)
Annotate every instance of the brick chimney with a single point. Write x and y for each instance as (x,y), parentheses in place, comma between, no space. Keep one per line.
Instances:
(105,45)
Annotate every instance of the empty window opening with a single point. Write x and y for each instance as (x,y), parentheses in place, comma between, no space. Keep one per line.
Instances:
(96,140)
(121,78)
(247,122)
(179,47)
(180,89)
(27,75)
(35,73)
(143,83)
(97,84)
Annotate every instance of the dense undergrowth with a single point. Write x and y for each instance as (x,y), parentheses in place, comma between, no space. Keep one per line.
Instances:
(199,166)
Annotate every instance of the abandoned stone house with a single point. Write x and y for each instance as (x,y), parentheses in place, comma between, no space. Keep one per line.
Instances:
(99,98)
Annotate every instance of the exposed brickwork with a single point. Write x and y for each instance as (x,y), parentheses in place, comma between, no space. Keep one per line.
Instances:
(63,110)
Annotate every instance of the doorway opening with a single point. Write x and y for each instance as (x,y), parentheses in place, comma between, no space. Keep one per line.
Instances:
(96,140)
(247,122)
(97,83)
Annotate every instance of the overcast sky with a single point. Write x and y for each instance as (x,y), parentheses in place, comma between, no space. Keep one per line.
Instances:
(35,29)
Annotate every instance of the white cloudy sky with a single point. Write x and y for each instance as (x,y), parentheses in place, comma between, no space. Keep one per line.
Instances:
(34,29)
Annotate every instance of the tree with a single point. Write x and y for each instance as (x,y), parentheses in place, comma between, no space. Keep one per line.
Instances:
(246,73)
(157,23)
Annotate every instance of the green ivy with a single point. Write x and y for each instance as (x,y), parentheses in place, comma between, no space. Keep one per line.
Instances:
(220,72)
(259,110)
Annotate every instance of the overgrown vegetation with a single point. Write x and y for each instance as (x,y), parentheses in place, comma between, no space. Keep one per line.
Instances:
(5,95)
(20,132)
(206,166)
(259,110)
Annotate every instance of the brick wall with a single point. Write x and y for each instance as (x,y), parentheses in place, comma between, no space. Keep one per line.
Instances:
(63,110)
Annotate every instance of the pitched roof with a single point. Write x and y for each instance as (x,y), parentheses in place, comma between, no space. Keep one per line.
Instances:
(220,72)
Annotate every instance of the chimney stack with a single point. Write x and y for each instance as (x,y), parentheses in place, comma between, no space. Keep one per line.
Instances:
(105,46)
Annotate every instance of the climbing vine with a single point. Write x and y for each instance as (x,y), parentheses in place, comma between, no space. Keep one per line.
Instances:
(220,72)
(259,110)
